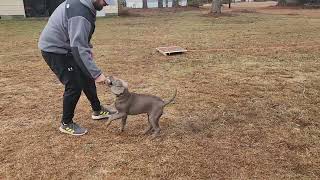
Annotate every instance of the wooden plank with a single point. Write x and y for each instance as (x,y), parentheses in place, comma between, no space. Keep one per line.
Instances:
(171,50)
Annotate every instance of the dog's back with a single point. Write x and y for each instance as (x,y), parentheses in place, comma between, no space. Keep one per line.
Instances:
(142,103)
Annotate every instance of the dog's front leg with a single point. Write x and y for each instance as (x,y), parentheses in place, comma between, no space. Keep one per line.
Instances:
(115,117)
(123,123)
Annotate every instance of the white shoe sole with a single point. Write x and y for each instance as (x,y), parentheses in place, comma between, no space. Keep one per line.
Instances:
(67,132)
(100,117)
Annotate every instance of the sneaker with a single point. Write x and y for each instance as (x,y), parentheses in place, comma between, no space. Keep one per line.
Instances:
(73,129)
(103,113)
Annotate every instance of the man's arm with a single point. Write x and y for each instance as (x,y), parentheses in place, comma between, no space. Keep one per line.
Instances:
(79,30)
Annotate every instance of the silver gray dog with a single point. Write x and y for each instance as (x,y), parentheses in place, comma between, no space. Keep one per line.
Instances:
(128,103)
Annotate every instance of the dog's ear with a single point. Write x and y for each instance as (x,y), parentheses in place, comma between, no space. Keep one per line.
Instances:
(117,90)
(111,78)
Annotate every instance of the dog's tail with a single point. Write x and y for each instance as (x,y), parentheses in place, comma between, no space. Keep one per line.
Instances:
(166,102)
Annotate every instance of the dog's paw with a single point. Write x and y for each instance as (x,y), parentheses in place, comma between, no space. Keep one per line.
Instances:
(155,136)
(108,124)
(147,131)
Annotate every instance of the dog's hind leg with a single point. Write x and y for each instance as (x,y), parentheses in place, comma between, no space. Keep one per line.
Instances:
(154,120)
(147,130)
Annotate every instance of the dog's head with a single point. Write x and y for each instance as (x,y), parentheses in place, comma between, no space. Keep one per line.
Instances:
(118,86)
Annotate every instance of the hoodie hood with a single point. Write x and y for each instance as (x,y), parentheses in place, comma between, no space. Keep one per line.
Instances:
(88,3)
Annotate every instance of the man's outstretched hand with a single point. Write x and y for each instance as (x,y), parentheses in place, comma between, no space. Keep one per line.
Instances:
(101,79)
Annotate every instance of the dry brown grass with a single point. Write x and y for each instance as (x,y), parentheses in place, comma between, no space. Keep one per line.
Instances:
(247,105)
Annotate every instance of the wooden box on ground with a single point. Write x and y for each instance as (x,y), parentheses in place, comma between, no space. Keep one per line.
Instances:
(171,50)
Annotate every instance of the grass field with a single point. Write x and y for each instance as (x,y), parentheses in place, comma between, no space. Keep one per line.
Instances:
(247,106)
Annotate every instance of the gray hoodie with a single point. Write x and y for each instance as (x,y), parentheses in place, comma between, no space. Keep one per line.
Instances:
(70,29)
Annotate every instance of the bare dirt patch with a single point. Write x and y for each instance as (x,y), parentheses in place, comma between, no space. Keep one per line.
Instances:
(247,104)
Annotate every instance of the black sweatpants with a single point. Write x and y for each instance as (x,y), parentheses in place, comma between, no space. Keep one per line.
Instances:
(74,80)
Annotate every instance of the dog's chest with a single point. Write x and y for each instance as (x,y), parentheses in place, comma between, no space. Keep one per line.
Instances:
(122,104)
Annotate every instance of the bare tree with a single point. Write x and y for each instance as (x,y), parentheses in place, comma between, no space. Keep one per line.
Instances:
(282,3)
(194,3)
(160,3)
(216,7)
(291,2)
(167,3)
(144,4)
(175,3)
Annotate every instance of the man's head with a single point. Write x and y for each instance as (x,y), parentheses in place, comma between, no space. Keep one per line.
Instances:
(99,4)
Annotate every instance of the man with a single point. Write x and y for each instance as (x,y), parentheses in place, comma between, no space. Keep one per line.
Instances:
(66,48)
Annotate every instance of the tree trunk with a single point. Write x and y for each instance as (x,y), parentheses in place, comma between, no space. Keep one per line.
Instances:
(216,7)
(167,3)
(175,3)
(193,3)
(290,2)
(160,3)
(120,7)
(282,2)
(145,4)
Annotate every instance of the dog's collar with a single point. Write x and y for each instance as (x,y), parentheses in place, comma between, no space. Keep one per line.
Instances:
(123,95)
(119,95)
